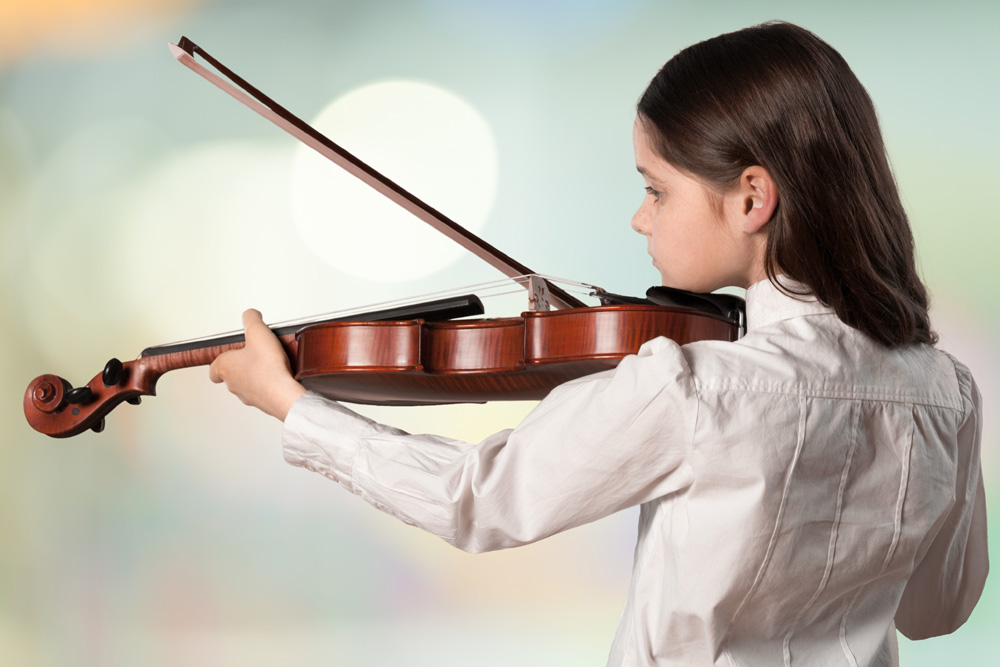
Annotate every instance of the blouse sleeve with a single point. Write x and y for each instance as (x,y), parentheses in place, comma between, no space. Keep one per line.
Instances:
(947,583)
(592,447)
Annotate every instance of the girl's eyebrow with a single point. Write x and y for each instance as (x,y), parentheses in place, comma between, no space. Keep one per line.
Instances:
(647,175)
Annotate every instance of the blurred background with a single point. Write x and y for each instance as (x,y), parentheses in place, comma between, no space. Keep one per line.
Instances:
(139,205)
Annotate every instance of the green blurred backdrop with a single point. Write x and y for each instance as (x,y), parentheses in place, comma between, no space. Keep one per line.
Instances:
(138,205)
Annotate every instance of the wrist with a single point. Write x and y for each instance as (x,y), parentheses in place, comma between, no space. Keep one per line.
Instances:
(284,397)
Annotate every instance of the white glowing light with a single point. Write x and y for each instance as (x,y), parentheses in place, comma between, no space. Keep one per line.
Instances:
(422,137)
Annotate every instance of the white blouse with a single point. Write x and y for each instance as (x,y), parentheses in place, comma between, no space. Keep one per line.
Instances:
(804,490)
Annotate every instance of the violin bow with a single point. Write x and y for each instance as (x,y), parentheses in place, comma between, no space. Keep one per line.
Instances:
(186,50)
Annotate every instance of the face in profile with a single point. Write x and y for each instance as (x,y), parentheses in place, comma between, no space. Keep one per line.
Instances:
(694,240)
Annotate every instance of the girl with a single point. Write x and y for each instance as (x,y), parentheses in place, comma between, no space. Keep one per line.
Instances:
(805,490)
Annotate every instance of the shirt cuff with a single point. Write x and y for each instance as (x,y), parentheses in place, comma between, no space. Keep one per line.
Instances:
(322,436)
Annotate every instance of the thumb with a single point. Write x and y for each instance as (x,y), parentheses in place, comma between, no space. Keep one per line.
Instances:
(252,319)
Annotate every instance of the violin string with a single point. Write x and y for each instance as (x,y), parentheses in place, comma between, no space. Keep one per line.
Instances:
(479,289)
(585,288)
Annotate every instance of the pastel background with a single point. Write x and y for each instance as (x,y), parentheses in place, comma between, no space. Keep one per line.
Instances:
(139,205)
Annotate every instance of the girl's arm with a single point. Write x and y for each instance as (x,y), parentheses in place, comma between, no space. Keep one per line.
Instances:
(949,579)
(592,447)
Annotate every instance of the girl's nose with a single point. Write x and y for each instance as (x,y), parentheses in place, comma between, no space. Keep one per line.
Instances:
(640,221)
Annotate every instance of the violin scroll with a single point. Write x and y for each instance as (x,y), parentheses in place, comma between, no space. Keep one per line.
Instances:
(47,393)
(54,407)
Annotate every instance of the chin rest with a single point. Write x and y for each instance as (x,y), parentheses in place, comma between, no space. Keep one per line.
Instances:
(729,306)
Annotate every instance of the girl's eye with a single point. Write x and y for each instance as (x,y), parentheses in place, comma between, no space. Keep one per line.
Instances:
(654,193)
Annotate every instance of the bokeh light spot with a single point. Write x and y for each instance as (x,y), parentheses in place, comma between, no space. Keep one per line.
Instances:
(422,137)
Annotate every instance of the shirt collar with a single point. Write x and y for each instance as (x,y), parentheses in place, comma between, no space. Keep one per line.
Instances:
(766,304)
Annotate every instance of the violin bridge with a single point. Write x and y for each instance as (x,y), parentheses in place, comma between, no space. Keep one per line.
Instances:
(538,294)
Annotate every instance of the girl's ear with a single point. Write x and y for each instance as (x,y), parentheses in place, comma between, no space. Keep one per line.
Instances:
(755,198)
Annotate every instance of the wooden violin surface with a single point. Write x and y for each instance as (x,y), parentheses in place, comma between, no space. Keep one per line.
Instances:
(474,361)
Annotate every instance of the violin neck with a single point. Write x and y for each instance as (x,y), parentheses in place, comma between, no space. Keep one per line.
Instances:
(205,350)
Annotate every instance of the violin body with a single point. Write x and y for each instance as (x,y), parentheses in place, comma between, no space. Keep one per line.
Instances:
(475,361)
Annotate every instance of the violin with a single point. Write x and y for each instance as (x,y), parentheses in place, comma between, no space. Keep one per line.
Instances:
(426,353)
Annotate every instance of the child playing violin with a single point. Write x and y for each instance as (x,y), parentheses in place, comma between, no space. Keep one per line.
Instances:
(805,490)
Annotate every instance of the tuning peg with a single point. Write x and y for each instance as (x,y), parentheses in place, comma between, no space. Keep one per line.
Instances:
(135,400)
(113,372)
(98,427)
(79,395)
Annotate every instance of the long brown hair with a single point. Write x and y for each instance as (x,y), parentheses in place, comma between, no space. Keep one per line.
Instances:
(777,96)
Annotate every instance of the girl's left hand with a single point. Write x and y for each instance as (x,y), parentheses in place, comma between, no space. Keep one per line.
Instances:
(259,373)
